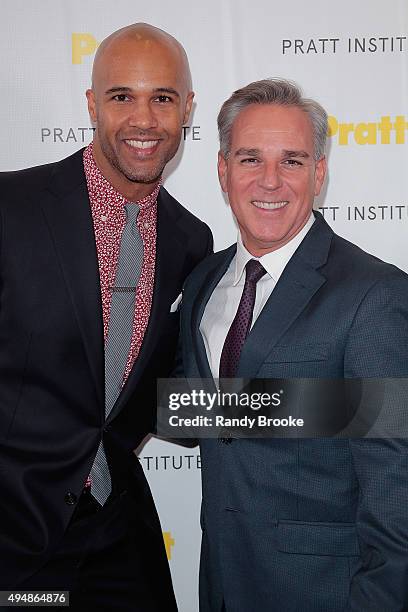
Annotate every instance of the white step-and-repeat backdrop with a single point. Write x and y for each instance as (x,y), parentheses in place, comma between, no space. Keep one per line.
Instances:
(350,55)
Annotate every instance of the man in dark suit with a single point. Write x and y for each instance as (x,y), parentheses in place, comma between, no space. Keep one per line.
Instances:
(94,255)
(316,525)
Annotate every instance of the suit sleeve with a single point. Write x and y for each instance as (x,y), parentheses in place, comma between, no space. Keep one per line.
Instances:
(377,348)
(178,369)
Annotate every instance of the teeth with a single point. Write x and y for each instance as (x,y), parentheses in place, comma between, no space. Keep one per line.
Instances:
(269,205)
(141,144)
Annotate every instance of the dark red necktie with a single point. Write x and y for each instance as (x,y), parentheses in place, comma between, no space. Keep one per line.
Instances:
(241,324)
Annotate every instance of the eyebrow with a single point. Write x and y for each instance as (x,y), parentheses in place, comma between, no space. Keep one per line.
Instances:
(249,152)
(285,153)
(296,154)
(123,89)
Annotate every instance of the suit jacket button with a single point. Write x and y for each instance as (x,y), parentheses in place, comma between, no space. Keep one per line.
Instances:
(70,499)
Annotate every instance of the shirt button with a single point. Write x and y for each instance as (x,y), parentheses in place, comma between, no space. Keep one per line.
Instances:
(103,217)
(70,498)
(146,225)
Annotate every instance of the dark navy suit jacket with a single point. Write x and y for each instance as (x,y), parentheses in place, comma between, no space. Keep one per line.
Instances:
(318,525)
(52,405)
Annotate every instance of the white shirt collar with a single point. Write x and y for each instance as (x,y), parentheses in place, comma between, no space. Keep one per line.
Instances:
(274,262)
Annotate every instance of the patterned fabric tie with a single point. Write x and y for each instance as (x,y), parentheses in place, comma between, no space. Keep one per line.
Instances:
(117,344)
(241,324)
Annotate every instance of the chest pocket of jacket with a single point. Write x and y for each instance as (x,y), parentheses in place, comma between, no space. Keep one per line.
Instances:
(296,361)
(298,353)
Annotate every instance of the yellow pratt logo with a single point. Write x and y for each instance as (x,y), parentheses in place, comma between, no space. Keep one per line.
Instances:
(168,543)
(385,131)
(83,43)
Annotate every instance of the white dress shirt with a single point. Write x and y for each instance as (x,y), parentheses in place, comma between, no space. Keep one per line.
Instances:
(223,303)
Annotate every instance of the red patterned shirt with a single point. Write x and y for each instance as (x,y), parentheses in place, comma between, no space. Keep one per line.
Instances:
(109,218)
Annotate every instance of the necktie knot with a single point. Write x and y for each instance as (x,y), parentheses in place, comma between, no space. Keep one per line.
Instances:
(132,210)
(254,271)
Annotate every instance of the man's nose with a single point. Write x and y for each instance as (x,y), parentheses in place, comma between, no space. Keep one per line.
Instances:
(142,116)
(269,177)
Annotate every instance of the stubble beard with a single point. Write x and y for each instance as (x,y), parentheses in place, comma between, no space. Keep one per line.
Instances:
(144,176)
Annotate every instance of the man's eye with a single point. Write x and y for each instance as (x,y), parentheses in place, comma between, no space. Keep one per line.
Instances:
(249,160)
(121,98)
(292,162)
(163,99)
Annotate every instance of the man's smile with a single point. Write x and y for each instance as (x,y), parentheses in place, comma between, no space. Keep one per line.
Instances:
(143,148)
(269,205)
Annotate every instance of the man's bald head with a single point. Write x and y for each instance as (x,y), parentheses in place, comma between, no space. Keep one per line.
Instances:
(140,98)
(143,35)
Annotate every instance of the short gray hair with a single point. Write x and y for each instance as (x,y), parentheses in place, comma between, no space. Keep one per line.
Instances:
(272,91)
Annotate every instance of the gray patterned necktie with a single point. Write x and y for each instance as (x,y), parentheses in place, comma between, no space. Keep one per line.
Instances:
(120,330)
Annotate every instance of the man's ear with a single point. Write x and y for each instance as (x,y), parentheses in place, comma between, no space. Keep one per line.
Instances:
(222,171)
(189,104)
(320,174)
(91,104)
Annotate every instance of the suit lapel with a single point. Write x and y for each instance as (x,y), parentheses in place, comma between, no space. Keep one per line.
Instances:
(67,211)
(170,255)
(220,264)
(299,282)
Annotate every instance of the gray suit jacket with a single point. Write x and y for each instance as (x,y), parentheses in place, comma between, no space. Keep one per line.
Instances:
(316,525)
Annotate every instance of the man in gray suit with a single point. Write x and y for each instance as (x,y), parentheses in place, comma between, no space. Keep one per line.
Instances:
(315,525)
